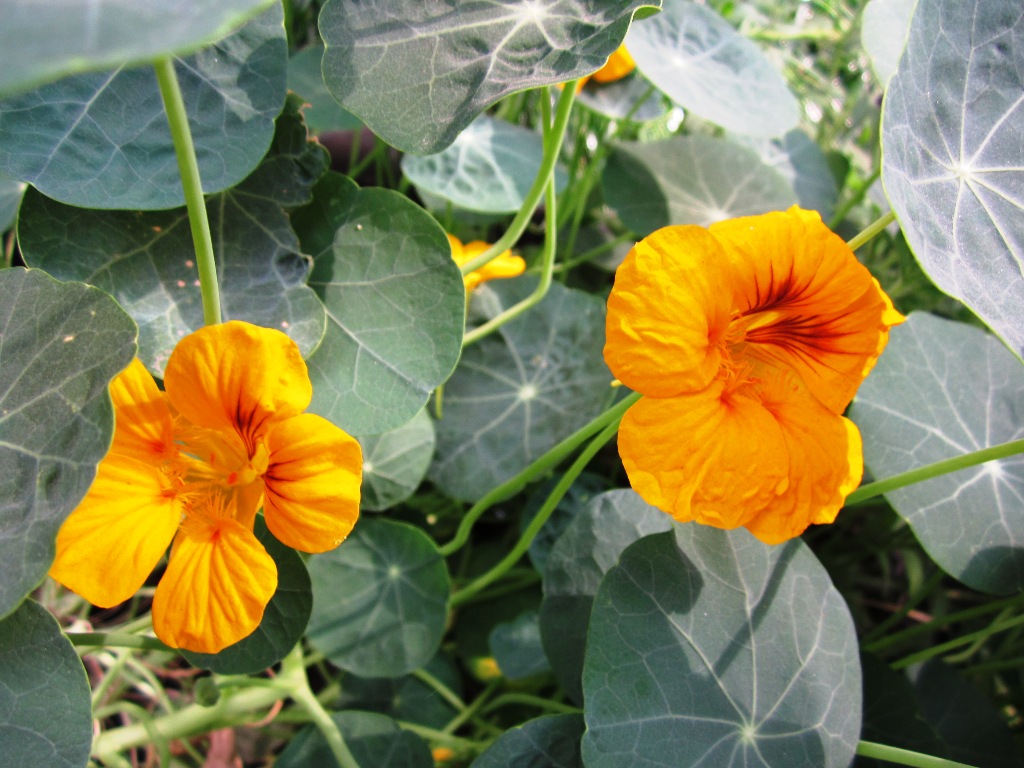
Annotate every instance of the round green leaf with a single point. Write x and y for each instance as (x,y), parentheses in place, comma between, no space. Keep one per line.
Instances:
(699,61)
(395,304)
(590,545)
(489,168)
(375,741)
(802,163)
(45,41)
(45,711)
(11,193)
(690,180)
(516,647)
(284,620)
(380,600)
(101,140)
(953,154)
(883,32)
(520,390)
(419,73)
(147,260)
(545,742)
(708,647)
(322,112)
(61,345)
(395,462)
(943,389)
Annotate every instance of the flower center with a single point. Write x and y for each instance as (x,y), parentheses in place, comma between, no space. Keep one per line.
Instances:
(254,469)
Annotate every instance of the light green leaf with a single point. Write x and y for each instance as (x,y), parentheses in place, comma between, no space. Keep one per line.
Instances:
(45,41)
(943,389)
(516,647)
(147,260)
(395,462)
(588,548)
(489,168)
(953,154)
(630,97)
(545,742)
(699,61)
(883,33)
(802,163)
(419,73)
(45,711)
(284,621)
(395,304)
(380,600)
(690,180)
(375,741)
(10,198)
(520,390)
(101,140)
(323,113)
(708,647)
(61,345)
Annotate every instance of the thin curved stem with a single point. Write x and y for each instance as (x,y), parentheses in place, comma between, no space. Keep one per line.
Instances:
(117,640)
(905,756)
(871,230)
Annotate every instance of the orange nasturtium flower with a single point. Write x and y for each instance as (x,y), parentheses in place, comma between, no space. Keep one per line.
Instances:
(193,465)
(748,340)
(504,265)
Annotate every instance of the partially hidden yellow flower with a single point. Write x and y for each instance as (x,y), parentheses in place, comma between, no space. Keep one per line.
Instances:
(619,64)
(748,340)
(502,266)
(194,464)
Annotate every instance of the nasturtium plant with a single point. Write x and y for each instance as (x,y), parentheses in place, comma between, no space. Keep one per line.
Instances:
(549,383)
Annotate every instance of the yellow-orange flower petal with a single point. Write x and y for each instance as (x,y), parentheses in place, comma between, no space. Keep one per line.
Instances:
(216,587)
(619,64)
(669,312)
(311,487)
(502,266)
(804,302)
(113,540)
(143,424)
(237,376)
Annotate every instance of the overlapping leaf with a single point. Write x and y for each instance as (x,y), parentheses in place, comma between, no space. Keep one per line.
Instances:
(545,742)
(519,391)
(10,198)
(45,41)
(374,740)
(419,73)
(147,260)
(380,600)
(943,389)
(395,304)
(690,180)
(953,151)
(883,32)
(101,140)
(322,112)
(45,711)
(61,345)
(516,647)
(708,647)
(802,163)
(698,60)
(629,98)
(395,462)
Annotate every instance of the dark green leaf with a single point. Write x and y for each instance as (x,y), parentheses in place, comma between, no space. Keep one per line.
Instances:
(693,56)
(546,742)
(395,304)
(284,621)
(375,741)
(10,198)
(45,712)
(147,260)
(380,600)
(943,389)
(323,113)
(517,648)
(690,180)
(419,73)
(953,150)
(579,495)
(579,560)
(45,41)
(61,345)
(101,140)
(708,647)
(395,462)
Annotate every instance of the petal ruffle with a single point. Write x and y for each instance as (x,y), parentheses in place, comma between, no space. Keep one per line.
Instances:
(311,486)
(116,536)
(216,587)
(710,456)
(804,301)
(668,313)
(144,428)
(237,376)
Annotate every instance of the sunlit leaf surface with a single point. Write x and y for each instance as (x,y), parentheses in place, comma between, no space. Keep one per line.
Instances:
(395,462)
(883,32)
(943,389)
(953,153)
(545,742)
(801,162)
(631,98)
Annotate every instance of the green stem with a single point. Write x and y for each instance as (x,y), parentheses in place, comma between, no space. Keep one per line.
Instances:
(472,710)
(531,701)
(188,167)
(117,640)
(871,230)
(939,468)
(858,195)
(938,650)
(912,602)
(905,756)
(553,137)
(540,519)
(440,689)
(541,465)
